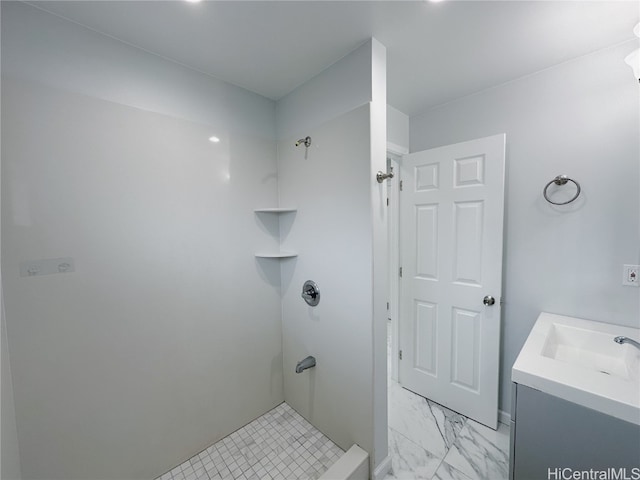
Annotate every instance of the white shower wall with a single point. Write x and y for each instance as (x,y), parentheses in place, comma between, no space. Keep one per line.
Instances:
(151,348)
(168,334)
(339,232)
(331,233)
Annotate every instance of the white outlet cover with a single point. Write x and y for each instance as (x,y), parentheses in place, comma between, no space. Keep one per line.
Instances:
(630,275)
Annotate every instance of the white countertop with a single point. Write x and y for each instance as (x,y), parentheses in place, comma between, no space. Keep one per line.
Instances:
(605,378)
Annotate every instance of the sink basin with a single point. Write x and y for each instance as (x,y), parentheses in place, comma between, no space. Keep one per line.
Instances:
(592,350)
(577,360)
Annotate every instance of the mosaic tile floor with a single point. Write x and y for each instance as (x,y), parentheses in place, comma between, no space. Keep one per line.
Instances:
(426,442)
(279,445)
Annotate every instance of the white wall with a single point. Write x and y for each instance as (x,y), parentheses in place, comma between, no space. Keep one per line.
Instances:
(338,89)
(340,234)
(380,461)
(397,128)
(42,47)
(168,335)
(580,118)
(336,395)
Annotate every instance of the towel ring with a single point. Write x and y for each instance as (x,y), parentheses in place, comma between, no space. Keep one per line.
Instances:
(561,180)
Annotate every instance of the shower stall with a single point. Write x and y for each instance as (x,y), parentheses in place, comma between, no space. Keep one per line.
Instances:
(144,321)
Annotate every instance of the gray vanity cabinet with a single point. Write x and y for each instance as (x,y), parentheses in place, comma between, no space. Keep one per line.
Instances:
(549,434)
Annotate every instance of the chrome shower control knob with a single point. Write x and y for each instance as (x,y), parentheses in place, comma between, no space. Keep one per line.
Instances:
(489,300)
(310,293)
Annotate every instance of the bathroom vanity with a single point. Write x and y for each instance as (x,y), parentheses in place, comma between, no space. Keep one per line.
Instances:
(575,401)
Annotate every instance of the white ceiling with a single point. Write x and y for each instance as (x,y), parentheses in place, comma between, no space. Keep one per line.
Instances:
(436,52)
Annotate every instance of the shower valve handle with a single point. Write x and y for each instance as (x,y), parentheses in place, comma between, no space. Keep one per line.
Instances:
(310,293)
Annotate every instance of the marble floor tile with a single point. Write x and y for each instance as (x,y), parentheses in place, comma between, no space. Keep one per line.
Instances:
(409,460)
(447,472)
(449,422)
(426,423)
(480,452)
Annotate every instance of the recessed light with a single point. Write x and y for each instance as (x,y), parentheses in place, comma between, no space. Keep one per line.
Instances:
(193,1)
(212,139)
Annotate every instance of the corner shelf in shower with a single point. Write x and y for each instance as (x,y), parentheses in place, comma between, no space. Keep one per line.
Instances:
(275,210)
(282,254)
(276,255)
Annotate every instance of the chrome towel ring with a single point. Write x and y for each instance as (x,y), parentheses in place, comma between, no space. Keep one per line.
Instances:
(561,180)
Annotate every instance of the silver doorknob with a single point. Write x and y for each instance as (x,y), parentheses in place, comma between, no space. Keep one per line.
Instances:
(489,300)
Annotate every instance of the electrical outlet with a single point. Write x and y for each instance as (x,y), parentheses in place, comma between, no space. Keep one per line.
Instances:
(630,275)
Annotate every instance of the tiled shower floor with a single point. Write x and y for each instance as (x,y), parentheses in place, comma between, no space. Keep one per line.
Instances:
(426,442)
(279,445)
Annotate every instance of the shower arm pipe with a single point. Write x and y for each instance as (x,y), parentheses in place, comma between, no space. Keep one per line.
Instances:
(306,141)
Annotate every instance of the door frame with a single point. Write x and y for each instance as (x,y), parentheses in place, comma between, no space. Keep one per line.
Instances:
(394,159)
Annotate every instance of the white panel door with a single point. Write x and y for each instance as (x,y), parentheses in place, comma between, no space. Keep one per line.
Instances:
(451,221)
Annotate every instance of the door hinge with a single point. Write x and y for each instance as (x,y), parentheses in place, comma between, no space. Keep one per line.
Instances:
(400,271)
(400,185)
(387,201)
(387,305)
(400,354)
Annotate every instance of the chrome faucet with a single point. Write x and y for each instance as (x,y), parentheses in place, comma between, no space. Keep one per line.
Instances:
(631,341)
(308,362)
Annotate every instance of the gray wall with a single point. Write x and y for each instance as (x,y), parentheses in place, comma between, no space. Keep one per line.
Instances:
(151,350)
(9,455)
(580,118)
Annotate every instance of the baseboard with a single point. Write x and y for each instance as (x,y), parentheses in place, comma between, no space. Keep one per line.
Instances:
(504,417)
(382,469)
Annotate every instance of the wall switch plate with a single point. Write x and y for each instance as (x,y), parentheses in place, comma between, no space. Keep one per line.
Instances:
(46,266)
(630,275)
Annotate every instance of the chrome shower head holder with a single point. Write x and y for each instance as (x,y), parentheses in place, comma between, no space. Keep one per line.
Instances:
(306,141)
